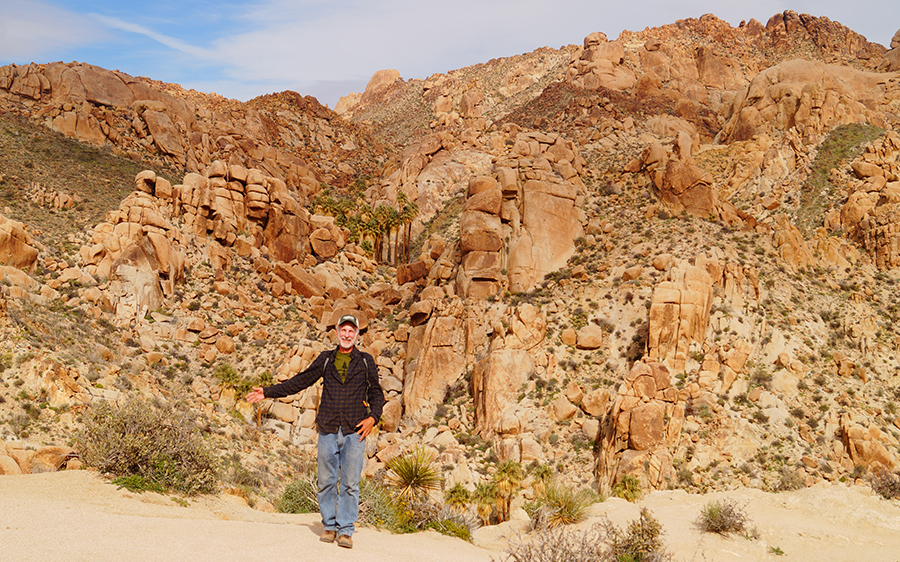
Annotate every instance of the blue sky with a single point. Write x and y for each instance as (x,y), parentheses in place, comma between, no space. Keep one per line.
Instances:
(242,49)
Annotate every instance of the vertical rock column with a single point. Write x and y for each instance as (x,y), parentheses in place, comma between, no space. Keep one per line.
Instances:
(641,429)
(481,240)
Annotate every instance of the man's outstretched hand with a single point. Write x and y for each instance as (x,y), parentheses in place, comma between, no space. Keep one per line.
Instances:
(255,395)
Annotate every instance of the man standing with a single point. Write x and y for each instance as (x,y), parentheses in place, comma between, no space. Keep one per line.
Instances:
(351,404)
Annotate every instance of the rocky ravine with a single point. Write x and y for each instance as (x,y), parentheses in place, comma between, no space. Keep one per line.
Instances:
(662,260)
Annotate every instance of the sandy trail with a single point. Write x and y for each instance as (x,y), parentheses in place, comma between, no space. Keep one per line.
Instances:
(77,516)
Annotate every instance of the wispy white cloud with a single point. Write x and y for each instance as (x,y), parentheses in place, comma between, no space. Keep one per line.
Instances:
(244,48)
(32,30)
(171,42)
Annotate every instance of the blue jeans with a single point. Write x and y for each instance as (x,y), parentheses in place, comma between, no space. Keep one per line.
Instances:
(341,460)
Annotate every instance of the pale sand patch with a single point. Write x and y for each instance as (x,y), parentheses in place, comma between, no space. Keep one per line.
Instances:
(77,516)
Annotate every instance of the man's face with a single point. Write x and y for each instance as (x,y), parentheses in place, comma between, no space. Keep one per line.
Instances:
(347,334)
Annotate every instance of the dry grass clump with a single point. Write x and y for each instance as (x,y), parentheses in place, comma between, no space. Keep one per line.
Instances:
(604,542)
(561,505)
(723,517)
(886,484)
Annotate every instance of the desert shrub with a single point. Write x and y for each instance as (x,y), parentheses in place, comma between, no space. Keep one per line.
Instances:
(603,542)
(559,545)
(413,474)
(5,361)
(162,446)
(629,488)
(640,542)
(139,484)
(452,527)
(887,484)
(789,480)
(443,519)
(723,517)
(300,495)
(235,473)
(561,505)
(379,508)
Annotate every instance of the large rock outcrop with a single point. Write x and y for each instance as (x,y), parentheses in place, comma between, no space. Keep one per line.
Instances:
(640,432)
(679,314)
(140,118)
(496,383)
(812,96)
(16,245)
(871,215)
(540,212)
(521,222)
(601,65)
(891,62)
(436,349)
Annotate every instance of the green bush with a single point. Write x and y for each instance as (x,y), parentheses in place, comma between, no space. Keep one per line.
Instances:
(163,446)
(300,495)
(452,528)
(229,377)
(629,488)
(138,484)
(457,498)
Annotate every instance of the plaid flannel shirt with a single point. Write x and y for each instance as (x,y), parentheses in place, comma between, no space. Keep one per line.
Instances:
(343,405)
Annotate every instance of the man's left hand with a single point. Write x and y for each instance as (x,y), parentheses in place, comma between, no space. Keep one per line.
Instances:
(365,427)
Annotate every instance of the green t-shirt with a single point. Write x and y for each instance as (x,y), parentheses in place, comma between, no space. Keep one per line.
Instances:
(341,361)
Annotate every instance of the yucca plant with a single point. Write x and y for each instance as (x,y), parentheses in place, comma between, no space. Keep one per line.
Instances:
(413,475)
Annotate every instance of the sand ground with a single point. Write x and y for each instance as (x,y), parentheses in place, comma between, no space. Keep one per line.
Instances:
(78,516)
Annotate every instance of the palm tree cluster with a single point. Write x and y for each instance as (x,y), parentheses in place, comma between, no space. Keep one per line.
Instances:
(371,227)
(489,496)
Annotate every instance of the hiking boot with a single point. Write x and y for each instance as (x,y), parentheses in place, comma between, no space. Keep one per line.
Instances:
(345,541)
(327,536)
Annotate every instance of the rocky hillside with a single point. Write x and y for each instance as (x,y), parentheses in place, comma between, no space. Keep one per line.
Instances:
(670,256)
